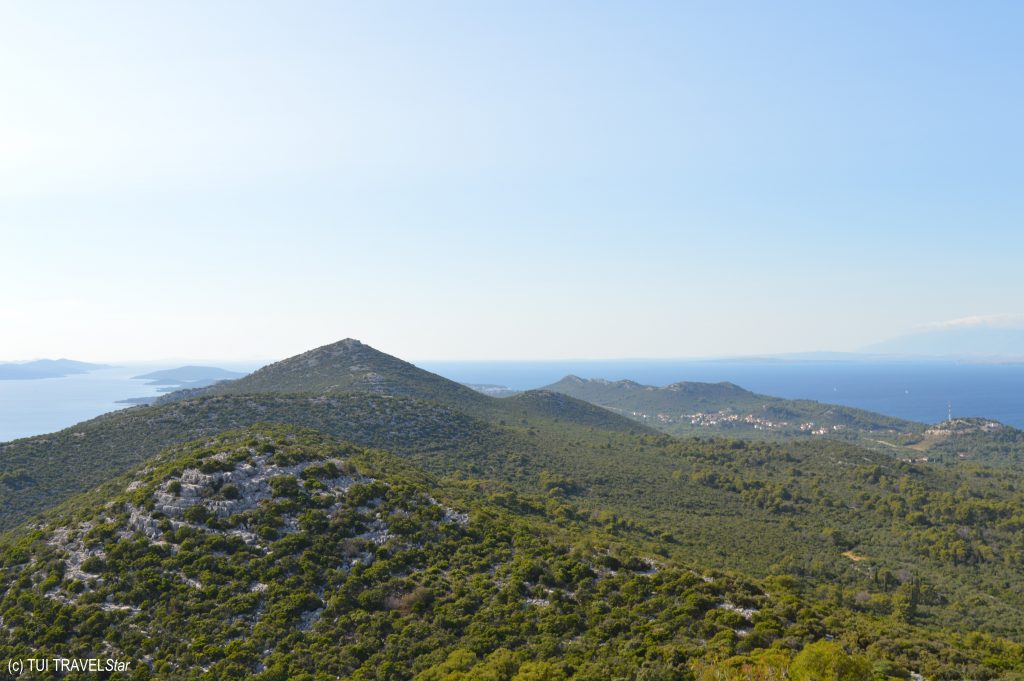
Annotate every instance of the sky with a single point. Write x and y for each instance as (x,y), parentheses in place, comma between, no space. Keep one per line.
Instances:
(527,180)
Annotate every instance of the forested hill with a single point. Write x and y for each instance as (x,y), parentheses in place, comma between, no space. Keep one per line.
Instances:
(830,535)
(39,472)
(350,366)
(346,389)
(974,440)
(276,553)
(686,408)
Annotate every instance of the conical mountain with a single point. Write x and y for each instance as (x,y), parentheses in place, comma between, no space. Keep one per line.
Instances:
(351,366)
(346,389)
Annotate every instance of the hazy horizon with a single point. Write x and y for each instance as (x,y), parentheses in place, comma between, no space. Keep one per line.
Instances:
(251,364)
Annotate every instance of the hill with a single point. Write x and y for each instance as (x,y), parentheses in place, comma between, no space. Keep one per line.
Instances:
(861,531)
(346,389)
(972,439)
(350,366)
(548,404)
(273,553)
(802,504)
(688,408)
(39,472)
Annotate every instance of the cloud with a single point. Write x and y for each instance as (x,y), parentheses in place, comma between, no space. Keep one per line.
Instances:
(993,321)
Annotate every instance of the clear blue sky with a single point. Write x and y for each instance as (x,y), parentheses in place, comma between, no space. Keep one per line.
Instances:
(476,180)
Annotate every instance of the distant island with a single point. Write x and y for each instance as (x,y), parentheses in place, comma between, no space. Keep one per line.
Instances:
(181,378)
(493,390)
(188,375)
(45,368)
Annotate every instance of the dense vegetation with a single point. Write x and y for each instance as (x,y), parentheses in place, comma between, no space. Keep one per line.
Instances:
(440,416)
(349,366)
(974,440)
(273,553)
(37,473)
(883,552)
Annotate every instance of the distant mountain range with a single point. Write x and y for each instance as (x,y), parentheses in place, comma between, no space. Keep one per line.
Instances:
(45,368)
(978,338)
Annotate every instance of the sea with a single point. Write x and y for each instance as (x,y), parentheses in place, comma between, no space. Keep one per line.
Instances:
(919,390)
(46,405)
(925,391)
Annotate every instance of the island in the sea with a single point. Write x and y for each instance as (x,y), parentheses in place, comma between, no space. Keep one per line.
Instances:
(45,368)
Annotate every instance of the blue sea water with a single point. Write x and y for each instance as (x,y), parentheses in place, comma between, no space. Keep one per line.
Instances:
(920,391)
(916,390)
(34,407)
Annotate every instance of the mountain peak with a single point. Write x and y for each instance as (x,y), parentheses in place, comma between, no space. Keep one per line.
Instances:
(348,366)
(338,349)
(346,344)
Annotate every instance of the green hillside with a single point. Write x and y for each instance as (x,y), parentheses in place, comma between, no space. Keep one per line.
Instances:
(552,405)
(903,549)
(691,408)
(39,472)
(803,505)
(273,553)
(347,389)
(972,439)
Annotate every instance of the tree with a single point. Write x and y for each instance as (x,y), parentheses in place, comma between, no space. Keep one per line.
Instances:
(827,661)
(904,602)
